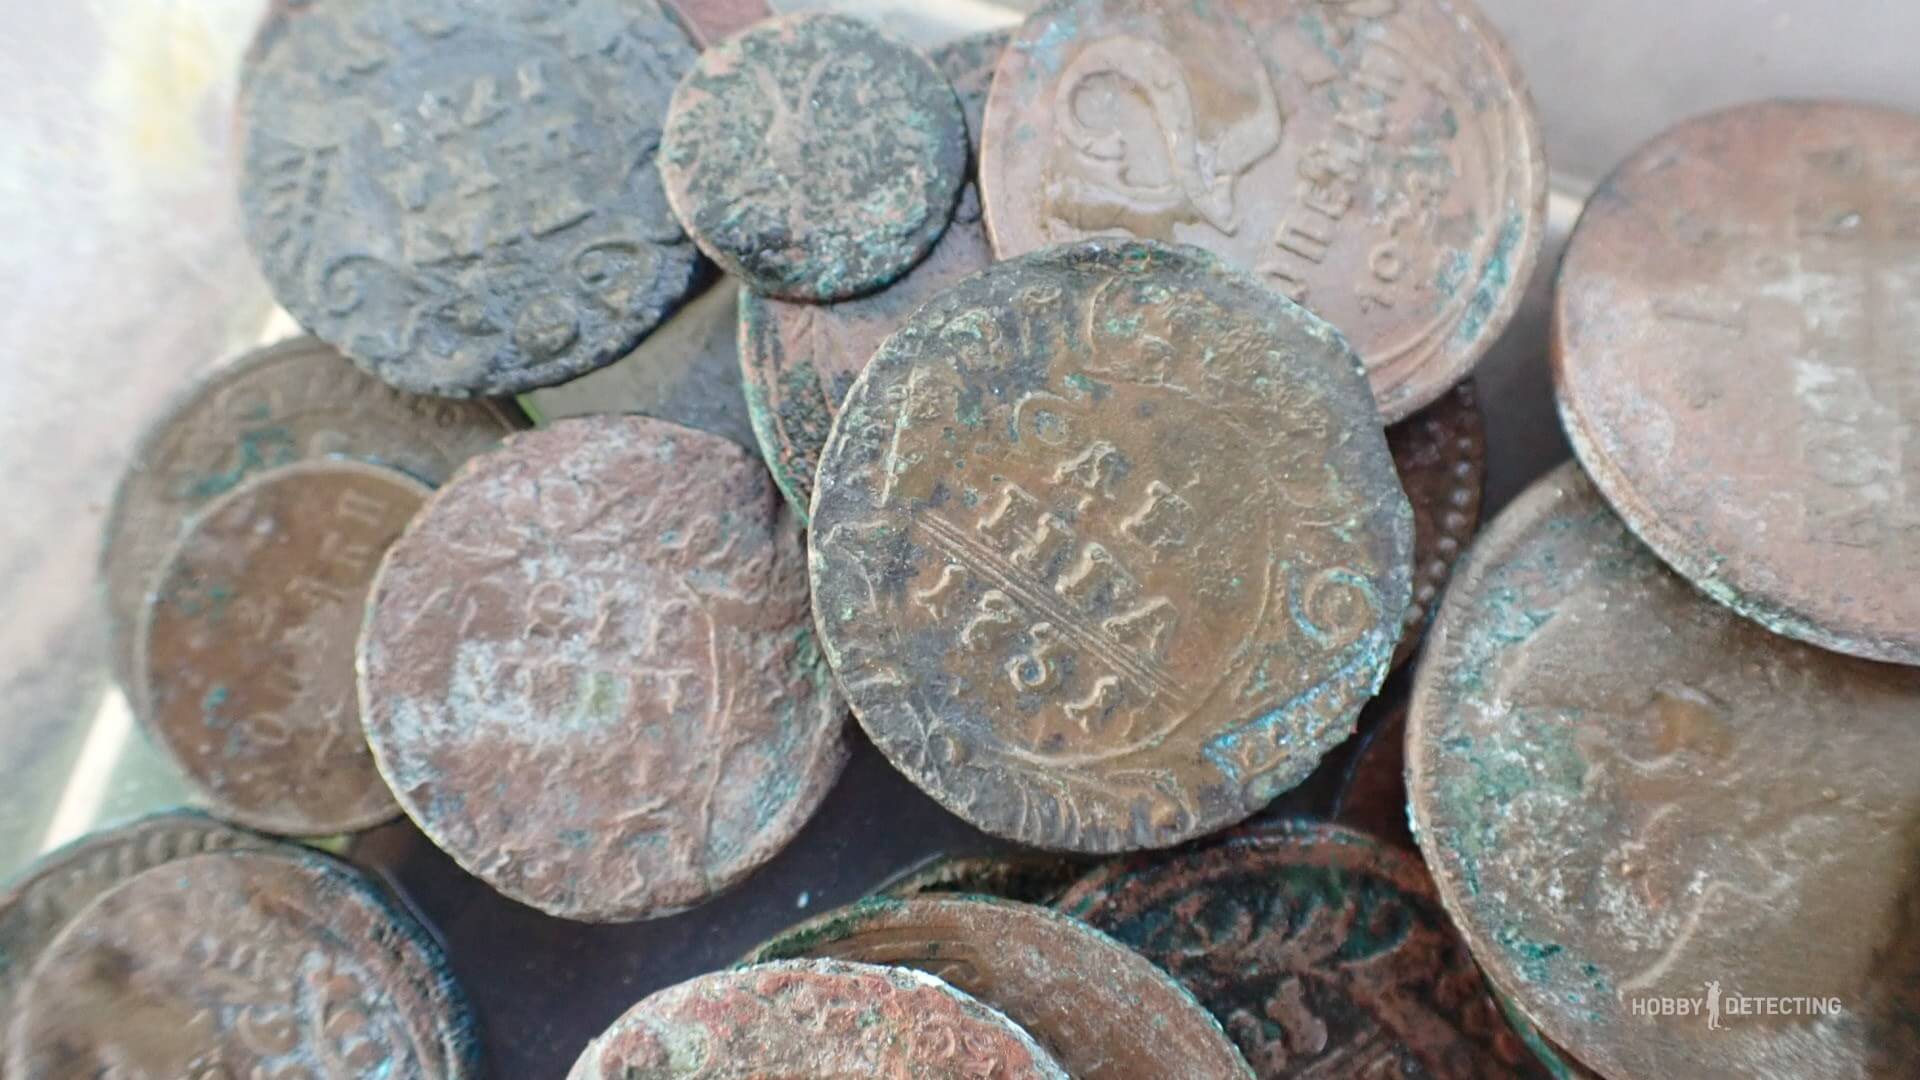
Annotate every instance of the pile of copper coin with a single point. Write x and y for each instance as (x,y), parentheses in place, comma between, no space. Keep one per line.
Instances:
(1113,440)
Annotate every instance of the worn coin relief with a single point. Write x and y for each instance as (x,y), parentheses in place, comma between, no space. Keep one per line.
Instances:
(461,197)
(1107,552)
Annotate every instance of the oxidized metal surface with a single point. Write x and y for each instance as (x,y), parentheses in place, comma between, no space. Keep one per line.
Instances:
(1372,796)
(588,670)
(814,157)
(1029,877)
(247,646)
(1376,160)
(274,406)
(1637,803)
(1441,456)
(969,64)
(711,21)
(1323,952)
(1103,1011)
(461,196)
(60,884)
(1107,550)
(814,1018)
(1737,358)
(243,964)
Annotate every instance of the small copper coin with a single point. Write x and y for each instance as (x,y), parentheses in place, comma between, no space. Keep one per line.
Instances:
(1737,354)
(1372,795)
(814,157)
(814,1018)
(1029,877)
(247,646)
(1102,1010)
(1441,456)
(1323,952)
(589,673)
(59,885)
(1649,816)
(1107,550)
(243,964)
(460,195)
(273,406)
(1376,160)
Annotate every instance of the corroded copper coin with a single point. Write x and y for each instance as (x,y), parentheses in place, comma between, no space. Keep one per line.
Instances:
(1377,160)
(1029,877)
(1372,795)
(273,406)
(1102,1010)
(814,1018)
(1679,843)
(246,647)
(460,196)
(1737,355)
(814,157)
(1323,953)
(711,21)
(1441,456)
(243,964)
(1107,550)
(60,884)
(969,64)
(589,674)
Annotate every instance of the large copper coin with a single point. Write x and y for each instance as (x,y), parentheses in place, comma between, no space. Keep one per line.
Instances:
(1029,877)
(1323,953)
(814,1018)
(274,406)
(813,157)
(1650,817)
(1441,456)
(243,964)
(247,646)
(1376,160)
(1737,354)
(460,195)
(1102,1010)
(1107,547)
(59,885)
(588,670)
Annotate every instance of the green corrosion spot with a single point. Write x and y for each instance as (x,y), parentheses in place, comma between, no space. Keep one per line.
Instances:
(1495,276)
(1535,959)
(266,448)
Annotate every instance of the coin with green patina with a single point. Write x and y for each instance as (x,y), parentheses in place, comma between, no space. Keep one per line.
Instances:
(1103,1011)
(969,63)
(1323,952)
(814,157)
(1108,548)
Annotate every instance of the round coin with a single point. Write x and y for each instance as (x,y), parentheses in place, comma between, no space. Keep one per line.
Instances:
(589,674)
(1736,352)
(1650,817)
(815,1018)
(1107,549)
(60,884)
(1377,161)
(1029,877)
(460,196)
(1322,952)
(814,157)
(274,406)
(1441,456)
(246,647)
(243,964)
(1103,1011)
(1372,794)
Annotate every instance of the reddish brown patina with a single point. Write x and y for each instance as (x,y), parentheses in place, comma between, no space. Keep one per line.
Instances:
(1376,160)
(1737,352)
(814,1018)
(589,671)
(1372,796)
(711,21)
(1441,456)
(1029,877)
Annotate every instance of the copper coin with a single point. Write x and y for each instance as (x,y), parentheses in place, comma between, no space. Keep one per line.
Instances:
(1372,796)
(1323,952)
(247,646)
(1651,817)
(1107,550)
(60,884)
(814,157)
(1376,160)
(969,64)
(1102,1010)
(712,21)
(273,406)
(243,964)
(1029,877)
(460,196)
(589,673)
(1441,456)
(1737,355)
(814,1018)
